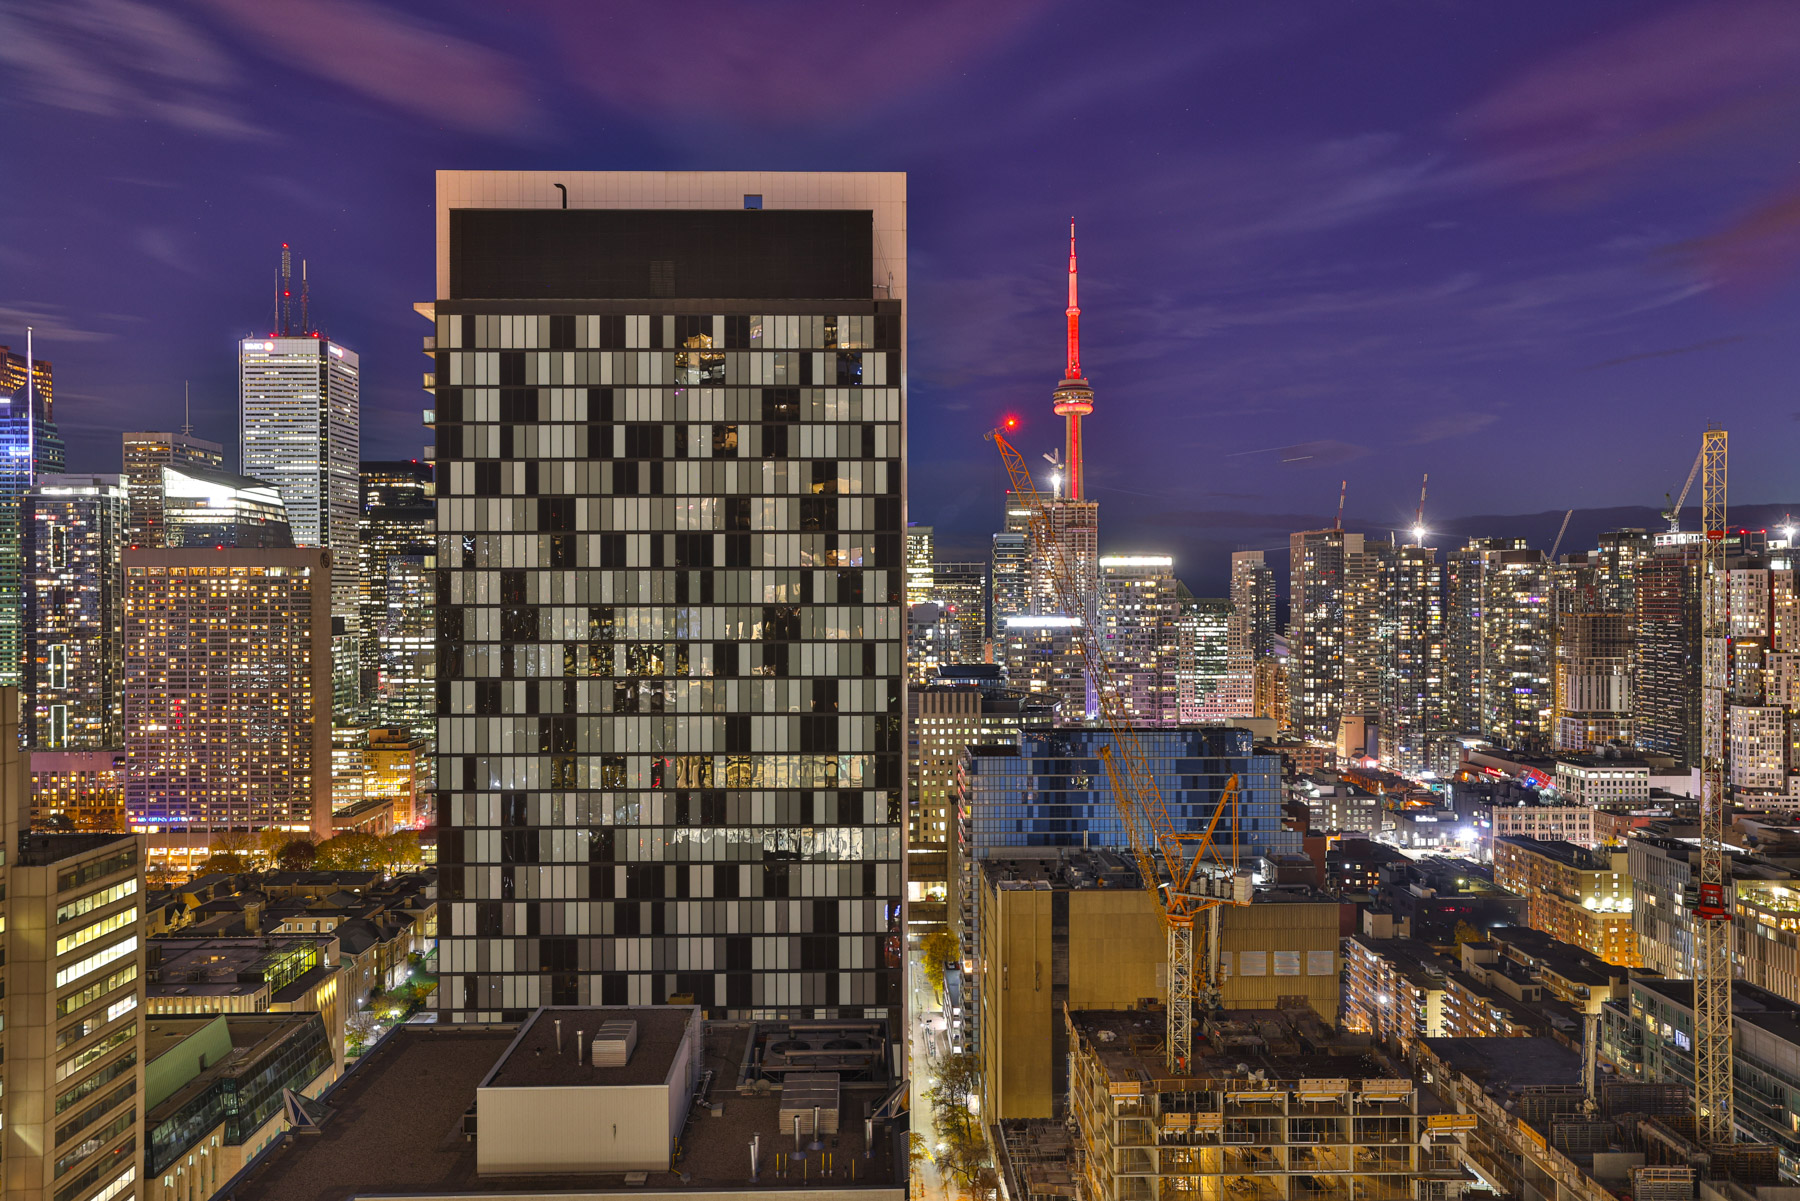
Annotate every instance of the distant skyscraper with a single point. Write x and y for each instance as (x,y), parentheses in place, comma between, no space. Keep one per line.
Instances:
(1228,689)
(1253,600)
(298,429)
(1500,628)
(1323,567)
(921,554)
(1593,680)
(1666,653)
(1009,580)
(146,454)
(225,731)
(669,427)
(209,508)
(1409,655)
(399,520)
(404,693)
(1615,565)
(30,446)
(74,529)
(1141,634)
(961,588)
(1215,677)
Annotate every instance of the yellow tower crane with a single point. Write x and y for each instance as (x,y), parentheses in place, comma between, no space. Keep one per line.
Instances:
(1712,913)
(1173,863)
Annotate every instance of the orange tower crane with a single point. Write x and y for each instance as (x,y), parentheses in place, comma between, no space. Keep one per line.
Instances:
(1171,861)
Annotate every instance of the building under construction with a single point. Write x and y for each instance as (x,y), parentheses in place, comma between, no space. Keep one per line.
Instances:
(1276,1108)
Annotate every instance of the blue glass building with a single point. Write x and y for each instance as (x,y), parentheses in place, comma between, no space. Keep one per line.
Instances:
(1052,790)
(28,449)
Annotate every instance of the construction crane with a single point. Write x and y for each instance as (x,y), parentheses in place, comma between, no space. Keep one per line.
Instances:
(1342,489)
(1187,890)
(1418,530)
(1712,918)
(1672,514)
(1557,545)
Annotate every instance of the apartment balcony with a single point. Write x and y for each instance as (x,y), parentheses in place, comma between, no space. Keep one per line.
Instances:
(431,381)
(430,344)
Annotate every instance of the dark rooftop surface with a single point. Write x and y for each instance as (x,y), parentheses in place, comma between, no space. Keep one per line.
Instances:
(396,1129)
(1509,1064)
(534,1060)
(1750,1004)
(42,850)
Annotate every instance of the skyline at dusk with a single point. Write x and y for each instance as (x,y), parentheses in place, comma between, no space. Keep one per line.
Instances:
(1526,251)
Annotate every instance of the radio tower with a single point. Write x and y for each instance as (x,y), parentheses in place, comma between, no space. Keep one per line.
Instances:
(1074,398)
(1712,919)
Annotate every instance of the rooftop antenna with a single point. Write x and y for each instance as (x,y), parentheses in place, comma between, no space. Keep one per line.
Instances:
(284,304)
(305,302)
(187,411)
(1342,488)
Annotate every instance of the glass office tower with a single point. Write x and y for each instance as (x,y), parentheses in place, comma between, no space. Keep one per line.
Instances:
(670,442)
(74,531)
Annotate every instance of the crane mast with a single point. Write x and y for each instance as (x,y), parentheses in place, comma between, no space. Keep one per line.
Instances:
(1168,859)
(1712,917)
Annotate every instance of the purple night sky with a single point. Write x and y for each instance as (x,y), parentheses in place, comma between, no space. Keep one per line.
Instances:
(1531,248)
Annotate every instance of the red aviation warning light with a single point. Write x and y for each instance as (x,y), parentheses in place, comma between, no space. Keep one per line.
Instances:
(1009,423)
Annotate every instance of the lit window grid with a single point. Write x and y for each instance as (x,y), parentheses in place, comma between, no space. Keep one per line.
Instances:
(644,967)
(222,686)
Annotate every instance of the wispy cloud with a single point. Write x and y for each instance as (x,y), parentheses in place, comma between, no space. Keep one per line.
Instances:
(50,324)
(1709,344)
(781,60)
(411,65)
(122,58)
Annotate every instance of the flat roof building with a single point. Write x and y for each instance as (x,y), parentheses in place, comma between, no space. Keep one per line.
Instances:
(524,1116)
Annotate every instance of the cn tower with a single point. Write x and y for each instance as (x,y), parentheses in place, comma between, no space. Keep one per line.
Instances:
(1074,398)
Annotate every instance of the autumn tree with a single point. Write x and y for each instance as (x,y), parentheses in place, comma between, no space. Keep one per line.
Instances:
(937,950)
(296,855)
(352,851)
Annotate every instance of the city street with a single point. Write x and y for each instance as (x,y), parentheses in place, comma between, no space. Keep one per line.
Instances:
(924,1048)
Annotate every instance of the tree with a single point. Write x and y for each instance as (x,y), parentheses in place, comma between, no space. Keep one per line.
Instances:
(399,849)
(963,1160)
(349,852)
(1466,933)
(359,1028)
(227,863)
(937,950)
(296,855)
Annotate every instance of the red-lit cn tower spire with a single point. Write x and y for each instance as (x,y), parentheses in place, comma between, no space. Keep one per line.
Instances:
(1074,399)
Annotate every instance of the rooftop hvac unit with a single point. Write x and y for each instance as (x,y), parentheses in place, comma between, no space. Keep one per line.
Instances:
(614,1043)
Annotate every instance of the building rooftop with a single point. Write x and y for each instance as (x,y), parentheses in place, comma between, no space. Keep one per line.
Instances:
(1624,762)
(1506,1065)
(1749,1004)
(1569,853)
(535,1059)
(396,1129)
(42,850)
(1076,870)
(1565,959)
